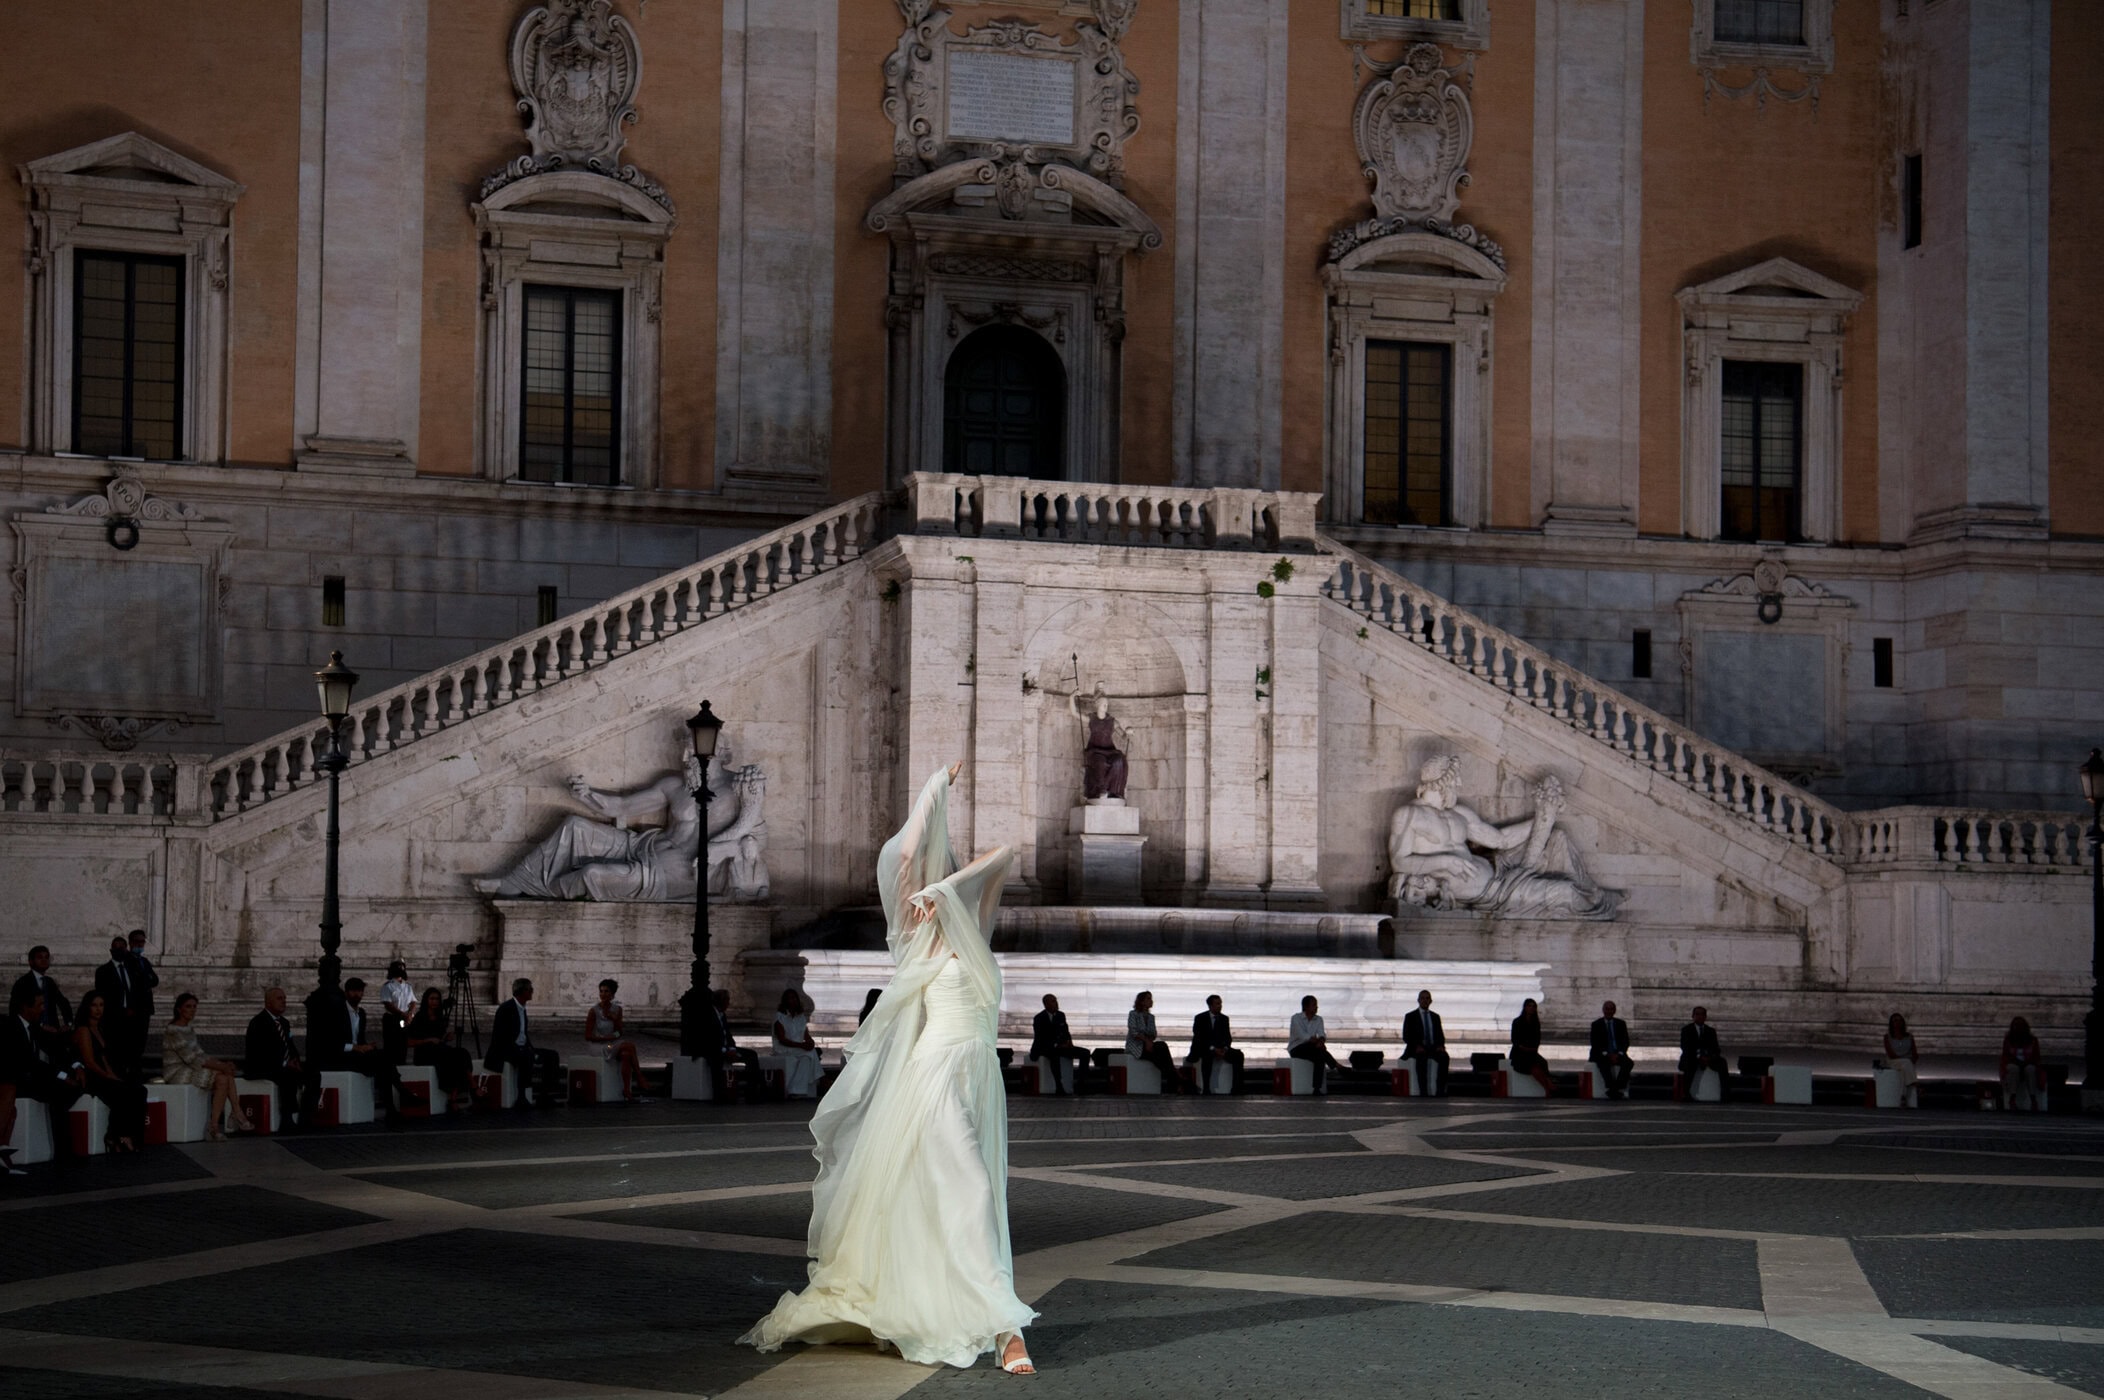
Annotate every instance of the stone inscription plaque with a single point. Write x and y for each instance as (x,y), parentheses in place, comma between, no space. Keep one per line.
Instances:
(1011,97)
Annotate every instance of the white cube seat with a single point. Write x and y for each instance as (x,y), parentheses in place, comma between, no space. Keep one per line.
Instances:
(354,1097)
(177,1112)
(1592,1084)
(1787,1084)
(497,1090)
(1134,1076)
(1884,1088)
(1510,1083)
(1404,1081)
(421,1095)
(1222,1080)
(259,1100)
(1703,1086)
(596,1075)
(89,1123)
(1045,1076)
(1292,1076)
(31,1138)
(691,1079)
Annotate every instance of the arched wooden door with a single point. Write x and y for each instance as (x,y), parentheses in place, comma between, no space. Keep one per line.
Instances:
(1005,406)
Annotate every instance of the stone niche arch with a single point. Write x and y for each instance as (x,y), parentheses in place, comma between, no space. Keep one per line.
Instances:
(993,242)
(1153,670)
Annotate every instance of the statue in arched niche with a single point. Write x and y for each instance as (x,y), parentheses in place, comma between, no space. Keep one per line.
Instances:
(1532,869)
(1104,742)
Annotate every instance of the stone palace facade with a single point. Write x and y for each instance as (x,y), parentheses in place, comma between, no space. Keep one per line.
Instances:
(1676,413)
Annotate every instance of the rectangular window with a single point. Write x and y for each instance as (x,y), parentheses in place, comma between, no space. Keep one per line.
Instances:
(1409,433)
(572,386)
(1760,22)
(545,605)
(332,602)
(1910,202)
(1763,450)
(1640,654)
(1415,9)
(1881,662)
(127,355)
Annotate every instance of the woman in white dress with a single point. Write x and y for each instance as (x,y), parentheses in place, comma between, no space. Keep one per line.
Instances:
(909,1215)
(793,1042)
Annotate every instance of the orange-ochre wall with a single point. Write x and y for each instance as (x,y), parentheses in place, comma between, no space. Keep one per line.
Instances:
(1147,406)
(2075,258)
(1732,182)
(217,81)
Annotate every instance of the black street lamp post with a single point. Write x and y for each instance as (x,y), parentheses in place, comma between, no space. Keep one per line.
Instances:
(335,681)
(697,1010)
(2093,1042)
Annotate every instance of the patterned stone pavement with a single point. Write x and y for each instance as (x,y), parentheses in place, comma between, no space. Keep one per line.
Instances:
(1253,1247)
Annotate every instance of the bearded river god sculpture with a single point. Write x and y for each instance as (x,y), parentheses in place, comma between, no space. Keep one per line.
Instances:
(598,857)
(1437,846)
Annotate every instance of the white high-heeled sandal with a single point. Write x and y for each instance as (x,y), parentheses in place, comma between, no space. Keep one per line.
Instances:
(1019,1365)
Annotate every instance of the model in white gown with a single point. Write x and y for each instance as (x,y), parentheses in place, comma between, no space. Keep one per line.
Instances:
(909,1214)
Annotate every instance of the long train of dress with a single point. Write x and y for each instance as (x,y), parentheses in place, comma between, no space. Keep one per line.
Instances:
(909,1215)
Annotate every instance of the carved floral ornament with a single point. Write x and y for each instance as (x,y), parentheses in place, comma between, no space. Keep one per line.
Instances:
(576,66)
(1414,128)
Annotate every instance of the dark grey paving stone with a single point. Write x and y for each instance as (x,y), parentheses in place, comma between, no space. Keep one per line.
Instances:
(1041,1214)
(1463,1254)
(1313,1178)
(1803,1207)
(502,1188)
(2057,1282)
(1841,1157)
(1525,1144)
(2054,1142)
(71,1385)
(1125,1129)
(1067,1154)
(354,1150)
(2072,1364)
(157,1166)
(633,1315)
(1114,1340)
(97,1234)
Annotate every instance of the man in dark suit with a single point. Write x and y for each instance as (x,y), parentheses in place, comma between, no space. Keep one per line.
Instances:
(1424,1044)
(337,1040)
(56,1022)
(125,1000)
(268,1053)
(1051,1040)
(1699,1050)
(25,1073)
(510,1043)
(150,978)
(1610,1051)
(1211,1042)
(725,1051)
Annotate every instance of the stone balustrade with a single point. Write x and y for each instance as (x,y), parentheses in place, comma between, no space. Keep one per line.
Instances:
(501,674)
(1948,836)
(70,782)
(1080,512)
(1532,676)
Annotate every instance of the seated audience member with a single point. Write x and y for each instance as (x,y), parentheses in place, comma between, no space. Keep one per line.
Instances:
(1212,1041)
(339,1039)
(55,1026)
(1306,1040)
(603,1028)
(27,1073)
(1610,1051)
(268,1053)
(793,1042)
(1699,1050)
(184,1061)
(1050,1040)
(1525,1055)
(125,1099)
(1141,1043)
(1900,1057)
(1424,1045)
(126,1000)
(511,1043)
(869,1003)
(429,1037)
(2023,1068)
(397,1005)
(724,1051)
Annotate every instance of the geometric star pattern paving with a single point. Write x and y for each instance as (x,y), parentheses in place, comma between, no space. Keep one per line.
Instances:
(1242,1247)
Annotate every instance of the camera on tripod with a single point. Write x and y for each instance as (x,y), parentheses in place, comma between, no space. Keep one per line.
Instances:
(460,998)
(457,965)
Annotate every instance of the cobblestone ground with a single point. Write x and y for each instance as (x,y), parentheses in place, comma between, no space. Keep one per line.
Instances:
(1255,1247)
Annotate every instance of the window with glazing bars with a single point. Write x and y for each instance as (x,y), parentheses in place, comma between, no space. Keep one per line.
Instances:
(1415,9)
(572,386)
(1759,22)
(1409,433)
(1763,450)
(127,355)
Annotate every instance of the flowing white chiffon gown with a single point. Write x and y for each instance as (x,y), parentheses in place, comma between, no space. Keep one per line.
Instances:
(909,1214)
